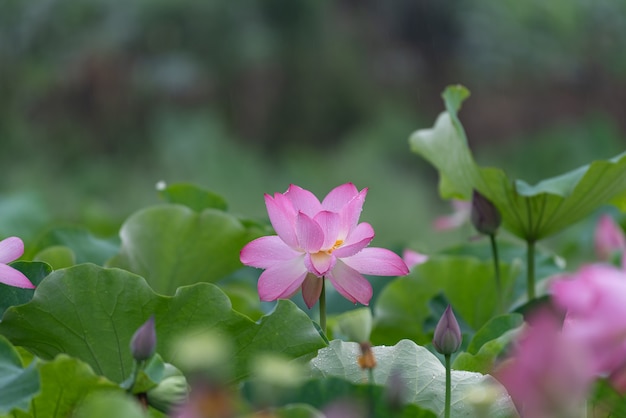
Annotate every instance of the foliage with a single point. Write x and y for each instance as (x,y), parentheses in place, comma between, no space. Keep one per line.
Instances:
(65,347)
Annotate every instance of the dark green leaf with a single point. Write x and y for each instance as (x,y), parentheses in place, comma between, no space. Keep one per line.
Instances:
(102,308)
(65,382)
(10,296)
(468,284)
(489,343)
(18,385)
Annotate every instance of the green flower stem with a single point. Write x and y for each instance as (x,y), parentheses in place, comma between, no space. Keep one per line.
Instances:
(530,267)
(448,387)
(137,367)
(496,266)
(372,399)
(323,306)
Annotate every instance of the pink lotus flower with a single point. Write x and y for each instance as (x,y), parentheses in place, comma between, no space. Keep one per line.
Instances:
(11,249)
(609,238)
(594,299)
(461,214)
(318,241)
(548,374)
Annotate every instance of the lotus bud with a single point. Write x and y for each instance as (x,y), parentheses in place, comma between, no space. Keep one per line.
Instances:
(171,391)
(143,343)
(447,338)
(484,216)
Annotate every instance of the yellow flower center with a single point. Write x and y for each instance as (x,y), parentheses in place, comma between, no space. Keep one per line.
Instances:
(336,245)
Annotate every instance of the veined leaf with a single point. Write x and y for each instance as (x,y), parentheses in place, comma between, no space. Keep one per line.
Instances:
(530,212)
(91,313)
(172,245)
(419,371)
(18,385)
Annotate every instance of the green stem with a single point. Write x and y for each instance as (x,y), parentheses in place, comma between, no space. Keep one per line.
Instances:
(496,266)
(323,306)
(530,267)
(448,387)
(372,406)
(137,367)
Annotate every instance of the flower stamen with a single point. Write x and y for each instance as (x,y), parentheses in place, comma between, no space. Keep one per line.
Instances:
(336,245)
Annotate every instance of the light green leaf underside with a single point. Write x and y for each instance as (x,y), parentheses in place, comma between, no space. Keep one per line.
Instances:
(530,212)
(420,371)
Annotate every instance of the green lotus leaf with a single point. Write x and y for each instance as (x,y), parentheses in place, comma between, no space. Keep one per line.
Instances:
(91,313)
(35,271)
(467,283)
(18,385)
(65,382)
(340,397)
(192,196)
(488,343)
(86,247)
(110,404)
(418,370)
(530,212)
(172,245)
(58,256)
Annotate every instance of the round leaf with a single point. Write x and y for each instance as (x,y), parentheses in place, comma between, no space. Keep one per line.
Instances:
(173,246)
(421,373)
(468,284)
(192,196)
(91,313)
(86,247)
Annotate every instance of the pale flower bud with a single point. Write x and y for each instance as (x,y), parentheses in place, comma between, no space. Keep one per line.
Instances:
(171,391)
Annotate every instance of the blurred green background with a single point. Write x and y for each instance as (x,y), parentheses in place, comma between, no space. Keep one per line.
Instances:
(101,99)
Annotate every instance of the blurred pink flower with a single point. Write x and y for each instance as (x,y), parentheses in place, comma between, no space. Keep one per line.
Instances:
(318,241)
(11,249)
(413,258)
(594,299)
(461,214)
(609,238)
(548,375)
